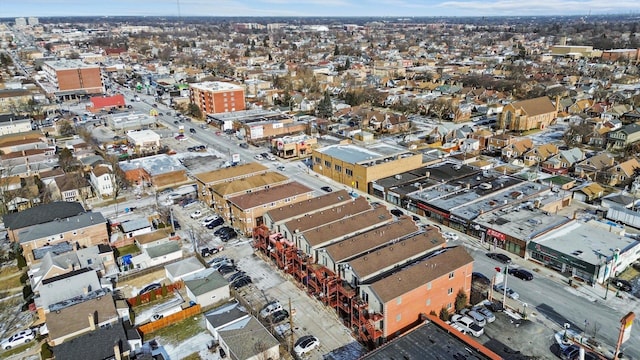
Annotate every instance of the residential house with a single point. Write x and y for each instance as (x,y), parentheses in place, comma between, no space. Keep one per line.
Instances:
(241,335)
(161,171)
(588,192)
(110,342)
(14,124)
(539,154)
(563,161)
(589,168)
(498,142)
(56,291)
(102,180)
(85,229)
(245,212)
(398,299)
(71,187)
(528,114)
(207,287)
(222,192)
(81,318)
(205,181)
(622,173)
(517,148)
(16,222)
(625,136)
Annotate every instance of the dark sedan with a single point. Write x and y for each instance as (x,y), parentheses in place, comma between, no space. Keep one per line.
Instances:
(222,229)
(480,277)
(227,269)
(241,282)
(500,257)
(326,189)
(521,274)
(279,316)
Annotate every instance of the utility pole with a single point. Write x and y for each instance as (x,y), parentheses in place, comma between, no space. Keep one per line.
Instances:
(290,326)
(504,294)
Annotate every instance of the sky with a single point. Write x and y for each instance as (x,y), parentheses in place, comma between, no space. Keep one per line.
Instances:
(395,8)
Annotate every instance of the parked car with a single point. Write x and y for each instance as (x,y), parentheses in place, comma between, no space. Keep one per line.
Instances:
(283,329)
(210,251)
(208,219)
(521,274)
(19,338)
(218,260)
(570,352)
(500,257)
(196,214)
(450,236)
(305,344)
(510,293)
(279,316)
(282,168)
(621,284)
(236,276)
(218,265)
(181,137)
(326,189)
(192,130)
(397,212)
(222,229)
(226,269)
(494,306)
(241,282)
(468,323)
(258,157)
(226,236)
(270,308)
(149,287)
(214,223)
(480,277)
(463,329)
(476,316)
(488,315)
(244,145)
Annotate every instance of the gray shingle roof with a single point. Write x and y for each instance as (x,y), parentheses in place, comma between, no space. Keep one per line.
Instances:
(61,226)
(42,214)
(96,345)
(204,285)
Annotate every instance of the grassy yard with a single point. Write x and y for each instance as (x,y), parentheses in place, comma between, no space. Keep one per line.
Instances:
(128,249)
(181,331)
(10,278)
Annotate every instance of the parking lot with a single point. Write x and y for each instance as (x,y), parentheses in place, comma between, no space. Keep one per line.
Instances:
(310,316)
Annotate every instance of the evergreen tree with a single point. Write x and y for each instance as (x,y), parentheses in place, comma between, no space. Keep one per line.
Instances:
(324,108)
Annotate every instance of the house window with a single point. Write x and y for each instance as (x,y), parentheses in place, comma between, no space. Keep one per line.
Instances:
(449,291)
(399,300)
(318,161)
(451,274)
(429,285)
(327,163)
(365,296)
(429,302)
(398,317)
(338,168)
(449,305)
(349,172)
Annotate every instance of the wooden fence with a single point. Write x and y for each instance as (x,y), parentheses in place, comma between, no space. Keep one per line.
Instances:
(169,320)
(154,294)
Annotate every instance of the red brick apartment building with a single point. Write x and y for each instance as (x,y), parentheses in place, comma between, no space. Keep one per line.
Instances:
(214,97)
(73,77)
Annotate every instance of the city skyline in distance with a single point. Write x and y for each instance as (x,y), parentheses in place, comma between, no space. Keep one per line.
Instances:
(315,8)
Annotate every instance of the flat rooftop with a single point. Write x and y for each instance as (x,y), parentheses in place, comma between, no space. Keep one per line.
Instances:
(154,165)
(585,241)
(521,222)
(215,86)
(70,64)
(431,341)
(354,154)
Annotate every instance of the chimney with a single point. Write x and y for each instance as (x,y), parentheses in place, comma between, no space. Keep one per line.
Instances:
(116,351)
(92,323)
